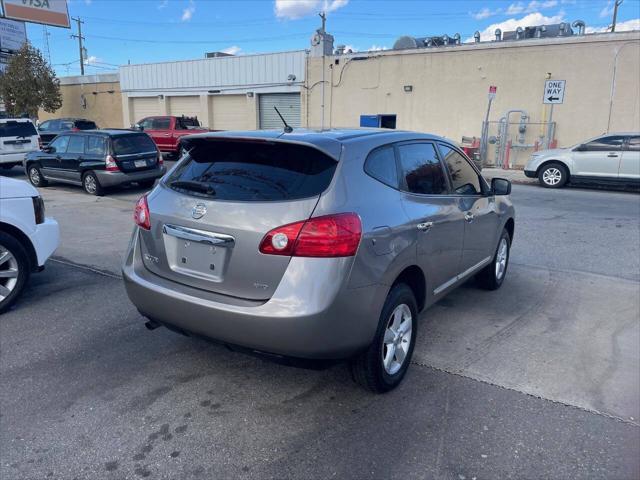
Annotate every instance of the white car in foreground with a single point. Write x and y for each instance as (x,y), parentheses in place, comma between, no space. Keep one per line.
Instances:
(27,237)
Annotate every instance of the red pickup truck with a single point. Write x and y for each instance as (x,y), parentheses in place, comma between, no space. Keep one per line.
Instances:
(166,131)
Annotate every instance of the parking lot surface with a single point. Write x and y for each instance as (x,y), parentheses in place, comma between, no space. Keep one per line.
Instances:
(539,379)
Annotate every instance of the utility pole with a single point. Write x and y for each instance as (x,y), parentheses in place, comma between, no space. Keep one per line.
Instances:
(80,39)
(45,37)
(616,4)
(323,16)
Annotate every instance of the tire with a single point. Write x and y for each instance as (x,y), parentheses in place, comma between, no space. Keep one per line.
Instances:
(368,368)
(14,270)
(35,176)
(91,184)
(492,276)
(147,183)
(553,175)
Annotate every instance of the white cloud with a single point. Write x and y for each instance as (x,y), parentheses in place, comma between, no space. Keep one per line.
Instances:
(163,4)
(511,24)
(91,60)
(188,12)
(620,27)
(294,9)
(233,50)
(516,8)
(377,48)
(607,11)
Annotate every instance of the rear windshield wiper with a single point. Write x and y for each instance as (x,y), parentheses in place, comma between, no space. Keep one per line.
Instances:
(194,185)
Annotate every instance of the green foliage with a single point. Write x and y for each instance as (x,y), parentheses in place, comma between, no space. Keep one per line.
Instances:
(29,83)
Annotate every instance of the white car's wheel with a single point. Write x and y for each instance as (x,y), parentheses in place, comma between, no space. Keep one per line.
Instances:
(553,175)
(14,270)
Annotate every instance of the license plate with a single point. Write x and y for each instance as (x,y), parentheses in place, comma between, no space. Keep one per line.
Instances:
(195,259)
(140,163)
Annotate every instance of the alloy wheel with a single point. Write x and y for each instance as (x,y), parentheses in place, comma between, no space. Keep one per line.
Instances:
(501,258)
(34,176)
(9,272)
(90,184)
(397,339)
(552,176)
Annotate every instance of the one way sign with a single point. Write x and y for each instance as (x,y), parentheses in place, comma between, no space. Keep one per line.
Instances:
(553,91)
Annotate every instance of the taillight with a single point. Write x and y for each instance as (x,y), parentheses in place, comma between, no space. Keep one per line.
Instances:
(111,164)
(327,236)
(141,213)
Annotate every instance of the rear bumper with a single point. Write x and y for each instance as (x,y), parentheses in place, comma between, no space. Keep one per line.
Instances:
(112,179)
(17,157)
(311,314)
(530,173)
(46,239)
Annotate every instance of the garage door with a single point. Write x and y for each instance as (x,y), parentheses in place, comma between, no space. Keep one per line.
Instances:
(230,112)
(142,107)
(188,106)
(287,103)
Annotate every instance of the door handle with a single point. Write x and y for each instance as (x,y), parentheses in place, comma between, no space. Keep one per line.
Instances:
(613,155)
(425,226)
(167,134)
(469,217)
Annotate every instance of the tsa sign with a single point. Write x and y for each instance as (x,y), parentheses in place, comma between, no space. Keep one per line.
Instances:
(553,91)
(47,12)
(492,92)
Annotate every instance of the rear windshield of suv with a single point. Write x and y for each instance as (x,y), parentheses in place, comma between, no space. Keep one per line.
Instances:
(17,129)
(85,125)
(130,144)
(253,171)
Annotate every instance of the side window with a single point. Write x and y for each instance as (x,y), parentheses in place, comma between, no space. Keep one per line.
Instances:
(66,125)
(381,165)
(605,144)
(634,144)
(96,145)
(59,144)
(421,169)
(161,123)
(45,126)
(146,123)
(464,178)
(76,144)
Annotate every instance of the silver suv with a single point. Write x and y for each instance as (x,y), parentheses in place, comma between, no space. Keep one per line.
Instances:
(316,245)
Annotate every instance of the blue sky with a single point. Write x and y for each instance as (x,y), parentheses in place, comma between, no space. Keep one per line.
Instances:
(141,31)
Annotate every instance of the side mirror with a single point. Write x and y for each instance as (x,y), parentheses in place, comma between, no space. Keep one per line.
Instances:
(137,126)
(48,149)
(500,186)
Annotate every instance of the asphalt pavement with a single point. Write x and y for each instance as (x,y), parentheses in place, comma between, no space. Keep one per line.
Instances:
(537,380)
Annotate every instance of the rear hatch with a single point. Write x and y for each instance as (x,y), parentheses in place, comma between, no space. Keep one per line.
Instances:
(134,152)
(18,136)
(210,214)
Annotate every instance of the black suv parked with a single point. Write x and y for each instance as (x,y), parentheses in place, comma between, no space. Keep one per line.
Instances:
(49,129)
(97,159)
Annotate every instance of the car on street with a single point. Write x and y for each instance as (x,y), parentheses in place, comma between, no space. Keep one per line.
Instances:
(50,129)
(612,158)
(316,244)
(167,131)
(18,136)
(27,237)
(97,160)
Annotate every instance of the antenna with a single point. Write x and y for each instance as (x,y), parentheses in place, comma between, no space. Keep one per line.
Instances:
(287,127)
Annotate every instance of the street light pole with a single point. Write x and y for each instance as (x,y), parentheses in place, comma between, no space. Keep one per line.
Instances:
(616,4)
(80,39)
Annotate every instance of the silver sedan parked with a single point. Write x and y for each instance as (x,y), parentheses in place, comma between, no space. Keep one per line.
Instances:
(316,245)
(611,158)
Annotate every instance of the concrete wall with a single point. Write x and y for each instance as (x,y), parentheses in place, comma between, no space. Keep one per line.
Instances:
(102,96)
(450,85)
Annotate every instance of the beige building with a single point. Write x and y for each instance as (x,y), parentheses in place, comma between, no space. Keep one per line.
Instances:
(94,97)
(444,89)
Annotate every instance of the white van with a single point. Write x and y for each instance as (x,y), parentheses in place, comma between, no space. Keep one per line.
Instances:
(18,136)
